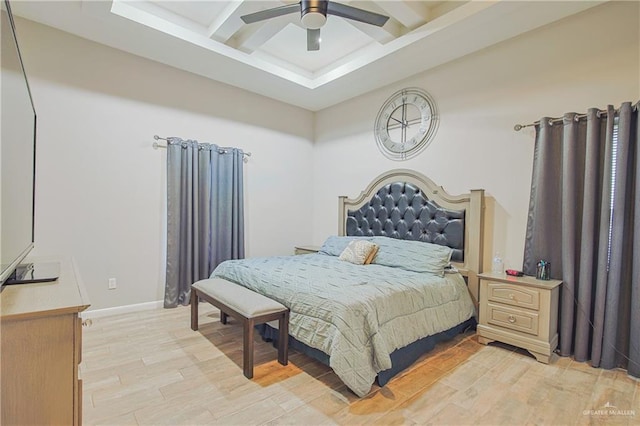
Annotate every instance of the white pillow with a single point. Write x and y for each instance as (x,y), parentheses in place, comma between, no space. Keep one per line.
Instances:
(358,251)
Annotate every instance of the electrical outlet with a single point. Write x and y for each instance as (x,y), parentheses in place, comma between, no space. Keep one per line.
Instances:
(112,284)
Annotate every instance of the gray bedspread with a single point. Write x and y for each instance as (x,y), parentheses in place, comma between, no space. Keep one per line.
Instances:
(357,314)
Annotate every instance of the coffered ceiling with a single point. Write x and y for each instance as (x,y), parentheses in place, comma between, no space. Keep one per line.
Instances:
(271,58)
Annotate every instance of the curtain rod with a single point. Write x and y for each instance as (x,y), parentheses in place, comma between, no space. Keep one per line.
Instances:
(156,145)
(577,117)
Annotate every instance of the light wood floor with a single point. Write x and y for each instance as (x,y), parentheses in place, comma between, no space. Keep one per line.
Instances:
(151,368)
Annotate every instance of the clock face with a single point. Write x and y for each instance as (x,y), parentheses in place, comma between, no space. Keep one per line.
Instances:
(406,123)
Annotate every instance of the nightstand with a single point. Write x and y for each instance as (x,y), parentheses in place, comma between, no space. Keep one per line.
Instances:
(520,311)
(305,249)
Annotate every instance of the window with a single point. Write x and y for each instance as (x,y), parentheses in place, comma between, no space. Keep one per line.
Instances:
(614,159)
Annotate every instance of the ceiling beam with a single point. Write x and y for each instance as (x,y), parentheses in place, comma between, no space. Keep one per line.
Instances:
(150,8)
(391,30)
(218,30)
(250,38)
(410,14)
(228,23)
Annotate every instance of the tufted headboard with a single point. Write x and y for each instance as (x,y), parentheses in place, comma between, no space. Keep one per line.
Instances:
(407,205)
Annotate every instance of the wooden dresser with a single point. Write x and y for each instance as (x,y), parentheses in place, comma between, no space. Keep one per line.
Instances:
(520,311)
(41,338)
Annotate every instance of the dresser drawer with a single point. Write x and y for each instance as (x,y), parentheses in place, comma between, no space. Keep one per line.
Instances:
(503,316)
(515,295)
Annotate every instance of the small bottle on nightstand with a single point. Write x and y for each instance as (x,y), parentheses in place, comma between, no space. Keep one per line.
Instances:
(497,267)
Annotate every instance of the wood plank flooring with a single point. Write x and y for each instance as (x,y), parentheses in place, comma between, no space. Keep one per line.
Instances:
(150,368)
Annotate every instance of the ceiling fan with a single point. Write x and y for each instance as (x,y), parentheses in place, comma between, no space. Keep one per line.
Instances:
(313,14)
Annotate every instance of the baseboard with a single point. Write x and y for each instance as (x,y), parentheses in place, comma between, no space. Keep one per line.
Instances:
(99,313)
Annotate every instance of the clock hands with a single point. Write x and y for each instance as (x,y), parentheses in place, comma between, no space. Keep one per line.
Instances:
(407,123)
(402,123)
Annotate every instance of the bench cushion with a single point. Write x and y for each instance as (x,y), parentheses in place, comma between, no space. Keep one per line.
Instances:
(246,302)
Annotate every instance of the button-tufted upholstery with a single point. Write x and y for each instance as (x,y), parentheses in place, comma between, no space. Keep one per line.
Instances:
(400,210)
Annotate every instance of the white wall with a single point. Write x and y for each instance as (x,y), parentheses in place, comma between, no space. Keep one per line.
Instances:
(100,194)
(588,60)
(100,186)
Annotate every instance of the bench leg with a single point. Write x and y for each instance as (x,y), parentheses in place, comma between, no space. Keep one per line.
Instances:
(283,338)
(194,309)
(223,317)
(247,363)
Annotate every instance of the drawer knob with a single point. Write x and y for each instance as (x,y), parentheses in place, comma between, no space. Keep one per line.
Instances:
(511,296)
(512,319)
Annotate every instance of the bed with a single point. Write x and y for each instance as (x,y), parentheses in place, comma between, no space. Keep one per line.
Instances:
(368,322)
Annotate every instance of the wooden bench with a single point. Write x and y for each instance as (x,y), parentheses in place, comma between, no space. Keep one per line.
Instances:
(246,306)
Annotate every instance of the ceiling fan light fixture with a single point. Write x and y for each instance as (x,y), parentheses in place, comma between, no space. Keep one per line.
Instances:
(313,20)
(313,13)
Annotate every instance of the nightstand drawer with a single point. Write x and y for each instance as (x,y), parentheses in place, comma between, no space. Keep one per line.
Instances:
(503,316)
(514,295)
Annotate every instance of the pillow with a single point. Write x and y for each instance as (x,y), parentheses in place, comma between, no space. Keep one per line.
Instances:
(335,245)
(372,255)
(358,251)
(412,255)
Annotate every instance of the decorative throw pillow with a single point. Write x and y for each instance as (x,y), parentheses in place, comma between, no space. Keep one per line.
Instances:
(358,251)
(373,253)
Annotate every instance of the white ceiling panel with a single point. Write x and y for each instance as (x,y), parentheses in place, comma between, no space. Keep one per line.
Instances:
(339,39)
(201,12)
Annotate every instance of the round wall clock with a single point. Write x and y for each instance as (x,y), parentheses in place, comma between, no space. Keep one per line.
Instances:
(406,123)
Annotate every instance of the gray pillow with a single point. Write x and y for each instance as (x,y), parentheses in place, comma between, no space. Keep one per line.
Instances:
(412,255)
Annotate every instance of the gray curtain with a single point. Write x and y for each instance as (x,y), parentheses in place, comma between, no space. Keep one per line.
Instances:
(590,245)
(205,213)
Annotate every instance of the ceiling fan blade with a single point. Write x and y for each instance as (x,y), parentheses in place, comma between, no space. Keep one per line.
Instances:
(356,14)
(270,13)
(313,39)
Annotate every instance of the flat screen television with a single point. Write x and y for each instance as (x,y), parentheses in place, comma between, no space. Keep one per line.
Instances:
(17,159)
